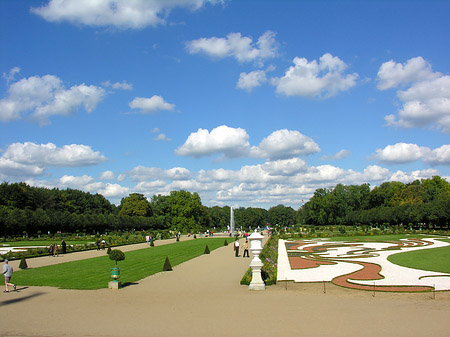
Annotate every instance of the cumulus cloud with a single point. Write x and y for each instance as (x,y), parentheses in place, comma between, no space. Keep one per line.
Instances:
(340,155)
(401,153)
(142,173)
(9,76)
(120,14)
(231,142)
(426,102)
(392,74)
(322,79)
(50,155)
(248,81)
(283,144)
(234,142)
(242,48)
(150,105)
(107,175)
(124,85)
(42,97)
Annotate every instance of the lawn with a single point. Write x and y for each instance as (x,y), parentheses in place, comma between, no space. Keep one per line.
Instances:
(434,259)
(95,273)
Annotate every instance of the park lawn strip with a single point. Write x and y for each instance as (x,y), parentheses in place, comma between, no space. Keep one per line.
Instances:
(94,273)
(434,259)
(382,238)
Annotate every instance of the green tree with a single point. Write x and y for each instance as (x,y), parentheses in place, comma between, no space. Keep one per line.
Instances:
(135,205)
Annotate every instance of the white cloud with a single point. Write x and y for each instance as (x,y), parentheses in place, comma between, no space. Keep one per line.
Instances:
(49,155)
(286,167)
(248,81)
(235,45)
(142,173)
(124,85)
(407,153)
(46,96)
(150,105)
(10,168)
(392,74)
(340,155)
(322,79)
(232,142)
(113,191)
(284,144)
(399,153)
(163,137)
(9,77)
(120,14)
(107,175)
(426,102)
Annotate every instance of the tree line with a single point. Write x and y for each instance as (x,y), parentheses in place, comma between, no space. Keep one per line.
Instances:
(38,210)
(421,203)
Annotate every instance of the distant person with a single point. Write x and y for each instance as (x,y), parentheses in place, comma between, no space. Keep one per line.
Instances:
(147,238)
(236,247)
(246,249)
(7,274)
(55,249)
(50,250)
(98,244)
(103,244)
(63,247)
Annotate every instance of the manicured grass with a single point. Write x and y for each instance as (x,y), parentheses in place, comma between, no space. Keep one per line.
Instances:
(434,259)
(95,273)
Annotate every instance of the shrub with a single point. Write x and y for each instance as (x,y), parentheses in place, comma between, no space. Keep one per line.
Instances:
(152,244)
(206,250)
(108,251)
(225,243)
(167,266)
(23,263)
(116,255)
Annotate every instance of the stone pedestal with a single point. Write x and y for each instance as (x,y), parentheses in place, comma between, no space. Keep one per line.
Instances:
(114,285)
(257,282)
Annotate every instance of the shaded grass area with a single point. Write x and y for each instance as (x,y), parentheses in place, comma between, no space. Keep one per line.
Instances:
(94,273)
(434,259)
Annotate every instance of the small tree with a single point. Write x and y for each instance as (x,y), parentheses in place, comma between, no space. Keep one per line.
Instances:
(23,263)
(108,251)
(206,250)
(152,244)
(116,255)
(167,265)
(225,243)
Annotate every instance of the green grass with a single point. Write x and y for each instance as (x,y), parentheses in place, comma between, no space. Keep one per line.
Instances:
(94,273)
(434,259)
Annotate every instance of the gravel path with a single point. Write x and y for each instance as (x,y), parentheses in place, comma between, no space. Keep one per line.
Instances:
(202,297)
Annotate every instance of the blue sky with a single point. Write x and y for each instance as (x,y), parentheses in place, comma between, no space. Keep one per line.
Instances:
(247,103)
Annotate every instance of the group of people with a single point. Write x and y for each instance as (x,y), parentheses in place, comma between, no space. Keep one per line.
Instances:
(53,250)
(101,243)
(245,247)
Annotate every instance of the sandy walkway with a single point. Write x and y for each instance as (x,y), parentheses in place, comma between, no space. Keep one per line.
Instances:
(202,297)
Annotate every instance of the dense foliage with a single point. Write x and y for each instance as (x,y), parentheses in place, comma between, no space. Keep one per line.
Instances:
(422,203)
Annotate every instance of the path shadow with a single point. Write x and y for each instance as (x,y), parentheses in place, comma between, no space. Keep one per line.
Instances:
(20,299)
(128,284)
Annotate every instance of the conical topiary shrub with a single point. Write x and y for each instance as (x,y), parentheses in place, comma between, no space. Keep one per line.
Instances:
(225,243)
(206,250)
(108,250)
(167,265)
(23,263)
(152,244)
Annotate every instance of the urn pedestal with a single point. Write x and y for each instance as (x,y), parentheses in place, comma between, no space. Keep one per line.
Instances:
(257,282)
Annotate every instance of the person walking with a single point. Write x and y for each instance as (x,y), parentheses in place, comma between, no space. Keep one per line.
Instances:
(236,247)
(246,249)
(7,274)
(63,247)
